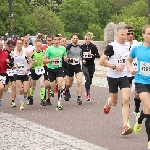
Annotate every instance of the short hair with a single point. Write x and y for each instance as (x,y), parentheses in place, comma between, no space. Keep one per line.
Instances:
(129,28)
(121,28)
(49,36)
(144,28)
(56,35)
(38,40)
(25,37)
(77,34)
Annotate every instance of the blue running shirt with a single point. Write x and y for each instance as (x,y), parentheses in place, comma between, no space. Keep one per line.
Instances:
(142,54)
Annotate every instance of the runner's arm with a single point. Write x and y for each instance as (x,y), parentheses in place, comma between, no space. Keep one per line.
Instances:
(29,61)
(46,60)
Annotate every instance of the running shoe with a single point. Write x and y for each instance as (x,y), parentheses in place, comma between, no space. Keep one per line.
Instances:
(56,90)
(30,101)
(9,90)
(48,102)
(51,93)
(13,104)
(107,108)
(43,103)
(59,107)
(149,145)
(87,95)
(126,130)
(22,107)
(137,128)
(67,96)
(79,101)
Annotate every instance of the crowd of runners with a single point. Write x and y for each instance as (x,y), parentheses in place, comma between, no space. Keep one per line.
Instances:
(55,64)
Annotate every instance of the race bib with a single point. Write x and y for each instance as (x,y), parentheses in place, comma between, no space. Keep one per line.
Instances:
(3,79)
(134,63)
(121,60)
(85,55)
(56,63)
(39,70)
(20,67)
(10,72)
(75,61)
(144,68)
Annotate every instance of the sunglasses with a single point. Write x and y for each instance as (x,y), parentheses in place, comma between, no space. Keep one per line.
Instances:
(87,39)
(49,40)
(130,33)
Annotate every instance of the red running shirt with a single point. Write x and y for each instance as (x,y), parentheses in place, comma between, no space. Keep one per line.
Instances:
(3,63)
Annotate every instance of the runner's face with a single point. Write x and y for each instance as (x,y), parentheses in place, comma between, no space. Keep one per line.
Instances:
(146,35)
(10,48)
(38,46)
(87,40)
(56,40)
(19,44)
(63,42)
(49,41)
(74,39)
(122,35)
(130,36)
(26,42)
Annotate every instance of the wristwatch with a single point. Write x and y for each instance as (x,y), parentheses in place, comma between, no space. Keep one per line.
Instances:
(114,67)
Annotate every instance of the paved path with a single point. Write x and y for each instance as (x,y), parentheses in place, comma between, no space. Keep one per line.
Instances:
(44,128)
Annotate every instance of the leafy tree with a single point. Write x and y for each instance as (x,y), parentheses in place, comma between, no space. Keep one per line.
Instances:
(47,22)
(78,14)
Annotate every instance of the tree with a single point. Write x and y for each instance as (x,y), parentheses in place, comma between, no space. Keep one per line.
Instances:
(47,22)
(78,14)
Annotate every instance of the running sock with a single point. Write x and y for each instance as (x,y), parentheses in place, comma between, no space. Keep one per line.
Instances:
(147,125)
(140,119)
(60,94)
(31,92)
(42,93)
(13,101)
(137,104)
(21,98)
(79,97)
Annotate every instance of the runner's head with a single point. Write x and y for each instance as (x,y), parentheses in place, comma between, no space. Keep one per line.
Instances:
(56,40)
(146,33)
(38,44)
(88,38)
(19,44)
(10,45)
(121,35)
(63,41)
(26,41)
(130,33)
(74,38)
(49,40)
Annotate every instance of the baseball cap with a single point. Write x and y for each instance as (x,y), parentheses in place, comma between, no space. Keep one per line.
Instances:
(10,43)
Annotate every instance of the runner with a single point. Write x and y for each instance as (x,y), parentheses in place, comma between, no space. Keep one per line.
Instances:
(90,52)
(74,54)
(53,57)
(37,72)
(142,78)
(10,74)
(116,53)
(3,68)
(22,68)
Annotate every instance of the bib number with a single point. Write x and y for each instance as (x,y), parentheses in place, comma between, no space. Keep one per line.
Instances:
(10,72)
(134,63)
(85,55)
(3,79)
(121,60)
(144,68)
(39,70)
(20,67)
(56,63)
(75,61)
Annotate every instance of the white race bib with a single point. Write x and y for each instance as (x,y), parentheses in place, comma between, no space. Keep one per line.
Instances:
(134,63)
(121,60)
(20,67)
(85,55)
(39,70)
(75,61)
(144,68)
(56,63)
(3,79)
(10,72)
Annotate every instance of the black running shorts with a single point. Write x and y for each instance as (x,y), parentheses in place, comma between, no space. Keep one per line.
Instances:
(142,88)
(71,69)
(114,83)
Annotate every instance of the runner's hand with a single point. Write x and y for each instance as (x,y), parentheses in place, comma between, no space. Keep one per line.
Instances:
(119,67)
(132,71)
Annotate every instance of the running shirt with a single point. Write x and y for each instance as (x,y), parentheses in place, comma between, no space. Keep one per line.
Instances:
(117,54)
(142,54)
(21,62)
(39,57)
(3,63)
(28,49)
(52,52)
